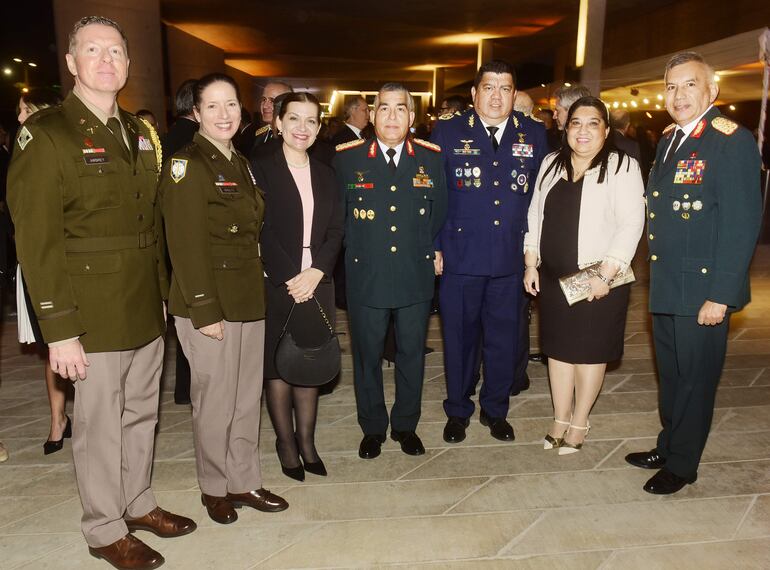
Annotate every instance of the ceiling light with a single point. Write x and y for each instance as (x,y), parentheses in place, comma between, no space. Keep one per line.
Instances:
(29,63)
(7,70)
(580,50)
(716,77)
(615,105)
(17,60)
(657,106)
(647,113)
(646,101)
(660,97)
(567,84)
(625,105)
(732,107)
(633,104)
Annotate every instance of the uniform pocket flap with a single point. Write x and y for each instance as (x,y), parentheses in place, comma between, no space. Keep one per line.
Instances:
(696,265)
(226,263)
(94,264)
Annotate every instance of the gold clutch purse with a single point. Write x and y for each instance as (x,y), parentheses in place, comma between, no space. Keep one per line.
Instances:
(576,286)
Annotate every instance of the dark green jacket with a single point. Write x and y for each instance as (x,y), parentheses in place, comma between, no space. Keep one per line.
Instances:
(391,220)
(704,212)
(86,231)
(213,215)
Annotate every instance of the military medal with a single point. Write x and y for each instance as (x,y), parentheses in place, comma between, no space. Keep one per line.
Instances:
(422,180)
(467,150)
(370,215)
(697,205)
(689,172)
(232,228)
(514,187)
(676,205)
(459,172)
(521,179)
(355,213)
(476,171)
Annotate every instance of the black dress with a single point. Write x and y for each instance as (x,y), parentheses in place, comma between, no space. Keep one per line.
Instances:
(585,333)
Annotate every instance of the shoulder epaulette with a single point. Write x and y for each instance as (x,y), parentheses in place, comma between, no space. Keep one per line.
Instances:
(669,128)
(429,145)
(351,144)
(447,116)
(261,130)
(724,125)
(531,116)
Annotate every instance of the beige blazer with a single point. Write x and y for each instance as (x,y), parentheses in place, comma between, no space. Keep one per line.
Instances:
(611,213)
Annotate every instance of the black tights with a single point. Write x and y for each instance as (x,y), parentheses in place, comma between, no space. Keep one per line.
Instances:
(282,398)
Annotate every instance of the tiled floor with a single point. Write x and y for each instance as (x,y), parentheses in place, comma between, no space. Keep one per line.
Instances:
(480,504)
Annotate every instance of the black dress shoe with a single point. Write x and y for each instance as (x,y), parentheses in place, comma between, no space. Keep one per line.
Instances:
(454,430)
(498,427)
(370,446)
(297,473)
(410,442)
(646,459)
(50,447)
(666,483)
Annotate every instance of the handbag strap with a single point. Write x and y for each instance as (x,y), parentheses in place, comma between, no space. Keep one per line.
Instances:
(320,309)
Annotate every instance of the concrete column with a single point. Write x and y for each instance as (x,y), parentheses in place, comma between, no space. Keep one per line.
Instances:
(591,72)
(485,52)
(439,74)
(140,20)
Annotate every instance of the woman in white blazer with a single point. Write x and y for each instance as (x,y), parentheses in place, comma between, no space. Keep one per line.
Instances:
(587,207)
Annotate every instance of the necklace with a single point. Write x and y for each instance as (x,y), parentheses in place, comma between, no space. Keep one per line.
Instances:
(290,163)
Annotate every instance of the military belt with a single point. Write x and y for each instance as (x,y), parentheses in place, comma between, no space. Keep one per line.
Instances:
(239,251)
(91,245)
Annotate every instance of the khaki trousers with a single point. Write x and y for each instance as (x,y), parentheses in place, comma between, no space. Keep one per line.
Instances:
(226,390)
(116,410)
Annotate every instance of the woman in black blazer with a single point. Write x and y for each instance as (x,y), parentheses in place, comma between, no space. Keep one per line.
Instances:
(300,242)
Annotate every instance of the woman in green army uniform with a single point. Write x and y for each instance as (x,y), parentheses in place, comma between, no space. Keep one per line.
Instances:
(213,213)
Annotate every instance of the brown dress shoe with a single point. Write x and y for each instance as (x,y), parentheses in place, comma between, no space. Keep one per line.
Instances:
(260,499)
(128,553)
(220,509)
(162,523)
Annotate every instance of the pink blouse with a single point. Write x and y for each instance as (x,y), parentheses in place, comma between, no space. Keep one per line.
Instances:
(302,180)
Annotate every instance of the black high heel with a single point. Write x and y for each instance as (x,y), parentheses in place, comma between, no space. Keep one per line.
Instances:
(296,473)
(316,468)
(50,447)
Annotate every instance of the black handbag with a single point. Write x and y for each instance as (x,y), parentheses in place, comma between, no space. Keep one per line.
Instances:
(307,366)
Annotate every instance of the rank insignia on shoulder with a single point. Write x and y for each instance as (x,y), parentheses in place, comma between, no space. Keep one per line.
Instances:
(24,138)
(724,126)
(261,130)
(445,116)
(429,145)
(669,129)
(351,144)
(178,169)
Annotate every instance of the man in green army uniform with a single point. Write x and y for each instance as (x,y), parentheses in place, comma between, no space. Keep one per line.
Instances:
(82,194)
(395,197)
(704,208)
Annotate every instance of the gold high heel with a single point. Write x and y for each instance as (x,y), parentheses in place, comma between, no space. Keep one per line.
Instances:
(566,447)
(550,442)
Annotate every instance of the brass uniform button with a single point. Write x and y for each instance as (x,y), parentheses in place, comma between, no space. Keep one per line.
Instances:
(393,228)
(393,188)
(427,257)
(655,194)
(654,257)
(497,202)
(495,163)
(497,222)
(393,248)
(652,215)
(704,270)
(392,208)
(422,211)
(652,236)
(686,196)
(496,183)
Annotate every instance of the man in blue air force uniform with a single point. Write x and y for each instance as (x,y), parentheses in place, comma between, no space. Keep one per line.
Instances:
(491,157)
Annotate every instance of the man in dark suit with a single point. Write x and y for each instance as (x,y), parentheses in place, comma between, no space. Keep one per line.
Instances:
(492,155)
(185,126)
(266,132)
(704,209)
(356,115)
(395,194)
(620,120)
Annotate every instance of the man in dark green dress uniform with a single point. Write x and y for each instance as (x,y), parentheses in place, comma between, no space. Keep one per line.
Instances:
(395,196)
(82,193)
(704,207)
